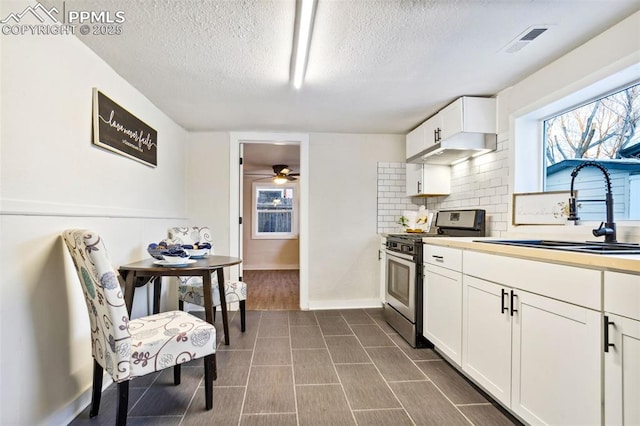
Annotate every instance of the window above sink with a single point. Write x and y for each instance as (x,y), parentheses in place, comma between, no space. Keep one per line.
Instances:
(605,131)
(531,153)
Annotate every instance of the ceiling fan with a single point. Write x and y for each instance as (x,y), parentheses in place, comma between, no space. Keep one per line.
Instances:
(282,174)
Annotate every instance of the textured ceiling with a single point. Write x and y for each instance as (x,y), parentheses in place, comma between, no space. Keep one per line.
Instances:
(259,158)
(375,66)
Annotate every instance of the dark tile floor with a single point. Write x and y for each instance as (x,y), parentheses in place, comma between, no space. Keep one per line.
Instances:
(309,368)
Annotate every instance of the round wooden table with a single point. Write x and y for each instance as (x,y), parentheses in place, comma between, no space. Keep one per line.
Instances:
(137,274)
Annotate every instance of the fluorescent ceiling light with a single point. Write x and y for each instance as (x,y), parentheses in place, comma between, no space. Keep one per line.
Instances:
(305,13)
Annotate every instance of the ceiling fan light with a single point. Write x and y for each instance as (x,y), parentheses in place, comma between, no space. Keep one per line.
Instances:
(279,180)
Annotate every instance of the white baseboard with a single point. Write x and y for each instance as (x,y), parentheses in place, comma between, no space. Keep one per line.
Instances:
(344,304)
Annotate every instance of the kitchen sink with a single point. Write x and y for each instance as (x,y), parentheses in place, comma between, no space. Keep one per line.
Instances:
(594,247)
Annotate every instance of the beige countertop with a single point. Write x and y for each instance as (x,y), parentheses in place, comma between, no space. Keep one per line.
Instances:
(620,263)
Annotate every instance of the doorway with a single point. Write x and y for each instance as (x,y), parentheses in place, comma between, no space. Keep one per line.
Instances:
(270,231)
(268,262)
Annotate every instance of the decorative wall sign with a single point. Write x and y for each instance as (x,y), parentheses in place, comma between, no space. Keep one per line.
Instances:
(116,129)
(541,208)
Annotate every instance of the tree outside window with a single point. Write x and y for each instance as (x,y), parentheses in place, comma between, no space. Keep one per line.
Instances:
(605,130)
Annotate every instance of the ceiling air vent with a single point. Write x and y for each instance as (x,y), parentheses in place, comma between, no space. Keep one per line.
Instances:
(525,38)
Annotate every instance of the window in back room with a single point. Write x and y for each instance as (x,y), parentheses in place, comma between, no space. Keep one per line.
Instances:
(606,130)
(274,211)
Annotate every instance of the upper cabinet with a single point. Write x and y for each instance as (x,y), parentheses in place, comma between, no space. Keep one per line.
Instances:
(423,136)
(464,128)
(415,141)
(468,115)
(428,180)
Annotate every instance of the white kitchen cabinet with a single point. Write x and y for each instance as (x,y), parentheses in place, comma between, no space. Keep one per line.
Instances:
(465,117)
(422,137)
(442,317)
(621,349)
(382,260)
(415,141)
(622,371)
(556,370)
(427,180)
(468,115)
(442,301)
(537,355)
(486,331)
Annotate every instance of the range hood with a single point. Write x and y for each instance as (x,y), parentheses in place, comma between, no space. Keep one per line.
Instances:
(456,149)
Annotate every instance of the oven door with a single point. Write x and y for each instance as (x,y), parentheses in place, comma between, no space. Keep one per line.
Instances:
(401,284)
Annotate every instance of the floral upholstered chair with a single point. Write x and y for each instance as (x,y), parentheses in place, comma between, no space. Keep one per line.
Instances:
(190,288)
(127,348)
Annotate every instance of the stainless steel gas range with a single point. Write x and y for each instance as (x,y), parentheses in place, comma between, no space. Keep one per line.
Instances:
(404,270)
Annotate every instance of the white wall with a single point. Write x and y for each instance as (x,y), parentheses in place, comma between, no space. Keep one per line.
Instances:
(488,181)
(52,179)
(343,244)
(207,173)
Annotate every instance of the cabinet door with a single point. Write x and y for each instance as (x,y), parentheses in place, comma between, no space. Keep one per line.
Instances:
(622,372)
(415,141)
(382,260)
(442,310)
(486,336)
(468,114)
(414,179)
(556,359)
(436,179)
(432,130)
(451,119)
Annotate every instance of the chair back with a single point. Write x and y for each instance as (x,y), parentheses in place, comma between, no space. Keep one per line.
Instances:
(190,235)
(108,316)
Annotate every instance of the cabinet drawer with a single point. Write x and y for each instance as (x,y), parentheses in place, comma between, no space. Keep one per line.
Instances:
(622,294)
(568,283)
(446,257)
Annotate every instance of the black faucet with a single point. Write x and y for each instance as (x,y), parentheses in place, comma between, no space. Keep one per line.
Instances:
(608,228)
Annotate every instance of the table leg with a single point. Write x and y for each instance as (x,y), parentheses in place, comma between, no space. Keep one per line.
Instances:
(208,303)
(129,289)
(156,294)
(208,299)
(223,305)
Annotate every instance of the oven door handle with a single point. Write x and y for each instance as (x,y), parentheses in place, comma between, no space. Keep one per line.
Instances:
(399,255)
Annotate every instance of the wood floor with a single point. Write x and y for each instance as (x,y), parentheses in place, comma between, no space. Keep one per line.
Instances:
(277,290)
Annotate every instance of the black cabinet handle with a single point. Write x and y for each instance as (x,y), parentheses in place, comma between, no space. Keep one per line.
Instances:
(435,135)
(504,308)
(438,258)
(513,296)
(419,187)
(607,323)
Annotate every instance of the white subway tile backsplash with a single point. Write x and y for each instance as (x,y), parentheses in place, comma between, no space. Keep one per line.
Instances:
(481,182)
(392,199)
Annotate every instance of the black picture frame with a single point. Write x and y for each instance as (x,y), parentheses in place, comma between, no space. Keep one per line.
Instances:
(116,129)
